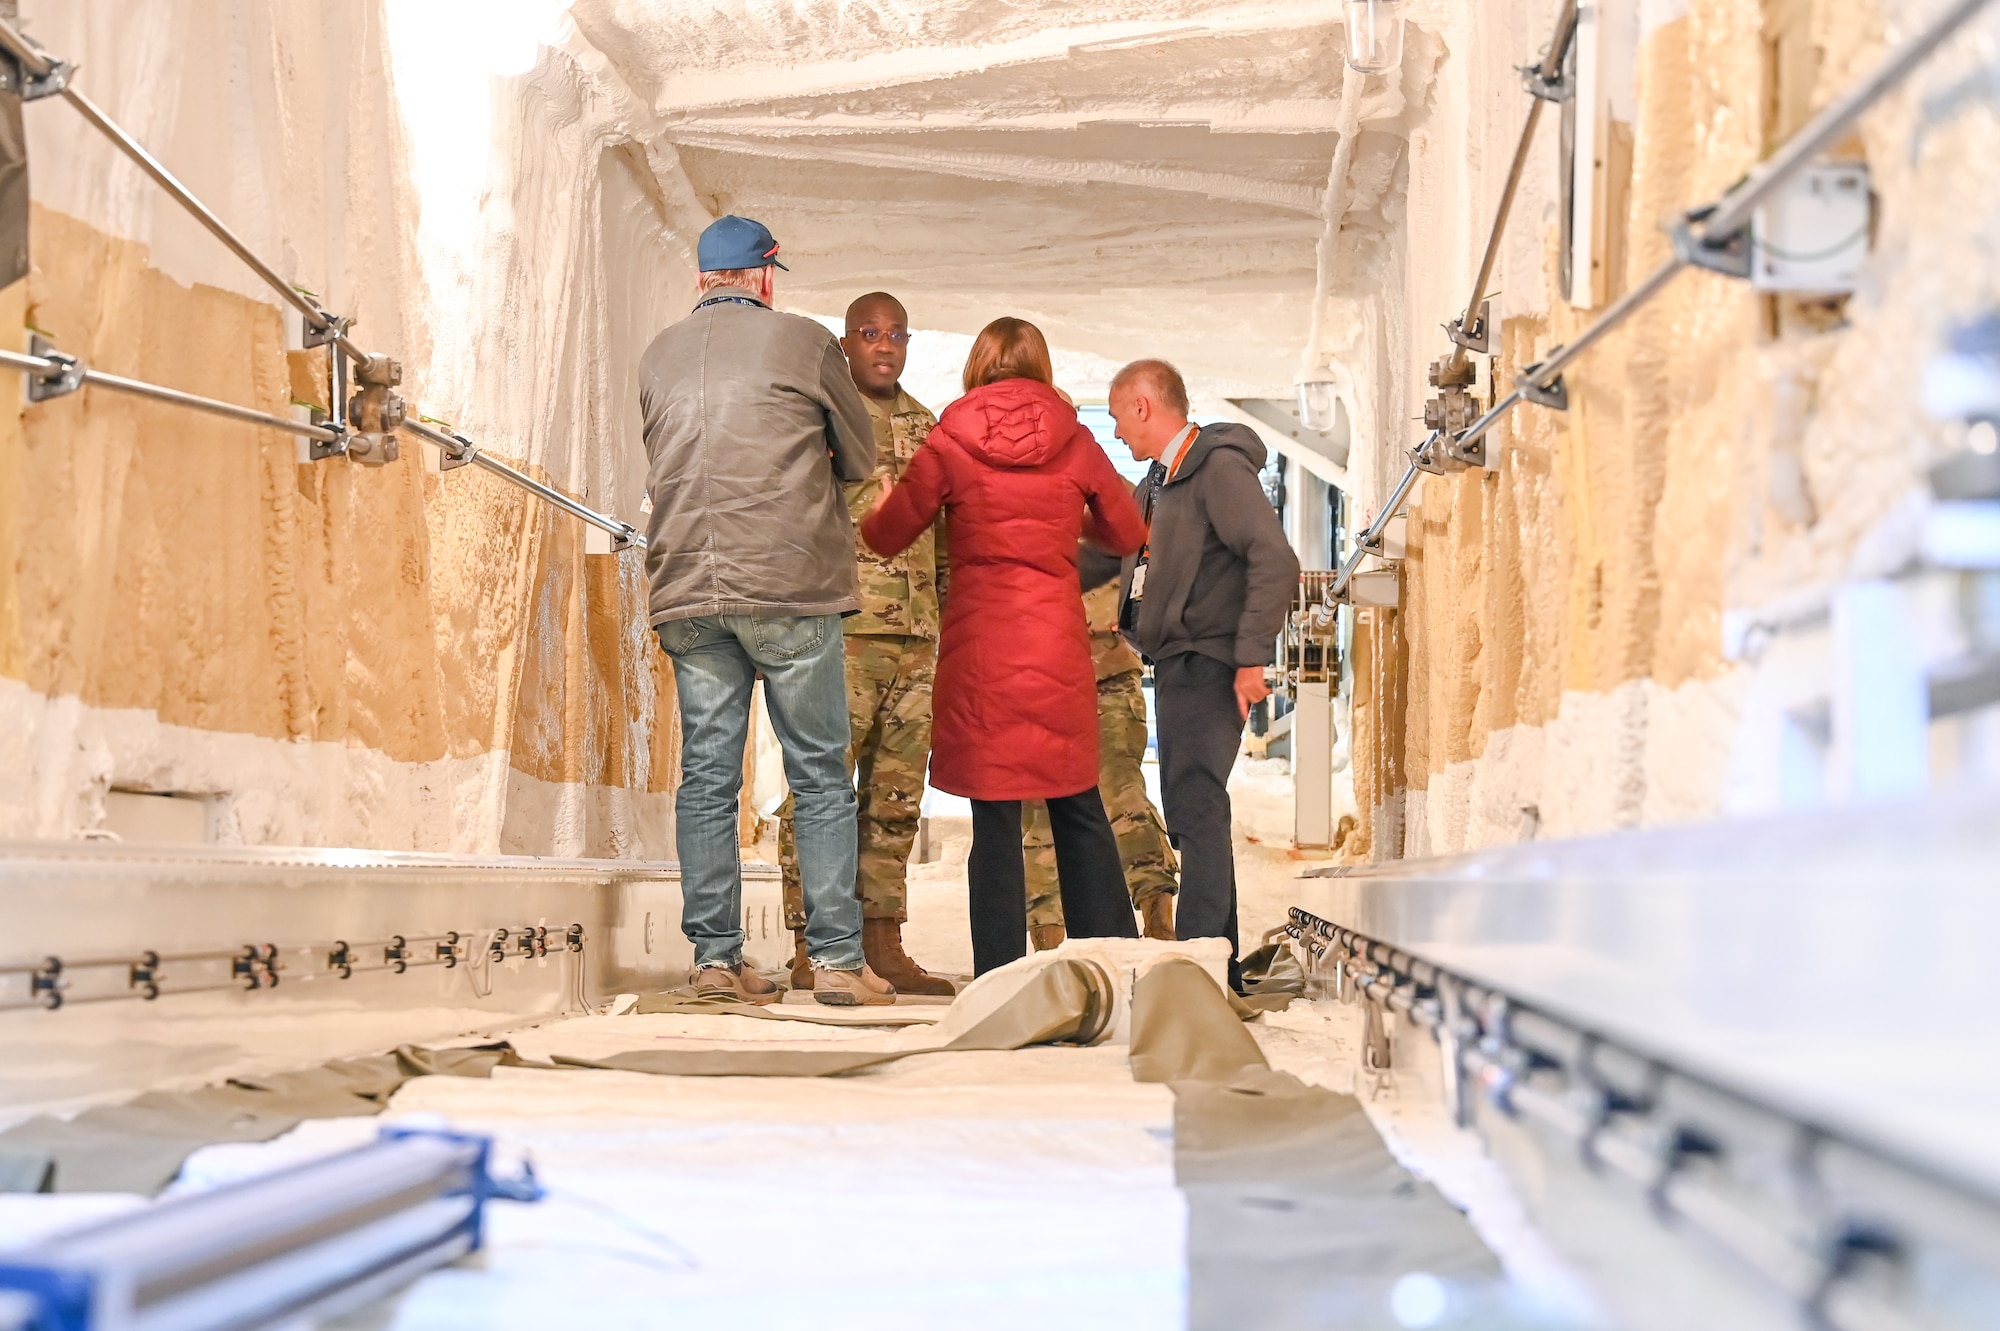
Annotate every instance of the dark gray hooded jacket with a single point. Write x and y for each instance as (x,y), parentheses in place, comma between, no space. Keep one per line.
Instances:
(752,421)
(1221,576)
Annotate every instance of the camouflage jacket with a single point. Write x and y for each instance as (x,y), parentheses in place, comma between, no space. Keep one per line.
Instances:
(1108,649)
(901,594)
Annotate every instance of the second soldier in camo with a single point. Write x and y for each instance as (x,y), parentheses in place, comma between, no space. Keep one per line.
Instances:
(1150,863)
(891,662)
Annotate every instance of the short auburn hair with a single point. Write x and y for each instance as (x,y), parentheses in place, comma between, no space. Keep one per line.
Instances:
(1008,348)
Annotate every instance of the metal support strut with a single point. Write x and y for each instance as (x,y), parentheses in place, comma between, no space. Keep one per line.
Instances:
(1712,237)
(362,429)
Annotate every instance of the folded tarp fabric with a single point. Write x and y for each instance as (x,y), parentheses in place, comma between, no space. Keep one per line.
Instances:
(138,1146)
(1061,1001)
(1298,1216)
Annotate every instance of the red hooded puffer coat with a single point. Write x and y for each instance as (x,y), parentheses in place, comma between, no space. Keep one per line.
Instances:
(1014,711)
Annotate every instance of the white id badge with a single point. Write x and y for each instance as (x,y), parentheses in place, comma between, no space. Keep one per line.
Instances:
(1138,582)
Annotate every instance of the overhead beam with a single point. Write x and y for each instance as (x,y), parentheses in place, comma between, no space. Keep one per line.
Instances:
(1019,167)
(1292,115)
(752,84)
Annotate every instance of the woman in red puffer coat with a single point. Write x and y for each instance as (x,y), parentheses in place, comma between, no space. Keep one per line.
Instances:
(1014,709)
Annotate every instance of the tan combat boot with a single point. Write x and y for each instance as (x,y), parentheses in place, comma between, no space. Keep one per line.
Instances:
(802,971)
(1046,936)
(882,944)
(736,982)
(1158,915)
(855,988)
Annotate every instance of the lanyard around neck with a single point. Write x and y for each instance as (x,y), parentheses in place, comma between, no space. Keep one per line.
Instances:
(1186,444)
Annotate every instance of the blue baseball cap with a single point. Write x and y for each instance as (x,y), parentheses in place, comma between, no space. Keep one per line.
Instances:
(736,242)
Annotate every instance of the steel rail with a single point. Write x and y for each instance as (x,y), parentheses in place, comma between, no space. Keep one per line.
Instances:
(1709,229)
(117,383)
(1505,1054)
(37,63)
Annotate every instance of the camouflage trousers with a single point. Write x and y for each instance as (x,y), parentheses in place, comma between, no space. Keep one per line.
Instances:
(889,680)
(1150,864)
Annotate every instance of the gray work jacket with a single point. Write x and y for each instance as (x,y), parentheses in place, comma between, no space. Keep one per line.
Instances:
(1221,576)
(752,421)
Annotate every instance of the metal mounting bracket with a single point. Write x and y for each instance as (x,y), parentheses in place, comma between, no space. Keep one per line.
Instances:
(450,461)
(34,87)
(1554,394)
(319,335)
(1472,454)
(1559,89)
(1424,458)
(1730,257)
(625,540)
(1479,337)
(65,379)
(319,450)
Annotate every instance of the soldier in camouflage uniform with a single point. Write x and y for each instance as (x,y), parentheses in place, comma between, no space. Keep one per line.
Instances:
(891,661)
(1150,864)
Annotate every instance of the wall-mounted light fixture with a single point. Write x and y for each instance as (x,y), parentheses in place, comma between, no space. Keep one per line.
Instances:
(1319,404)
(1374,35)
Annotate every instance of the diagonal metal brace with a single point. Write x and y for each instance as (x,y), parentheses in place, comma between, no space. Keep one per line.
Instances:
(64,379)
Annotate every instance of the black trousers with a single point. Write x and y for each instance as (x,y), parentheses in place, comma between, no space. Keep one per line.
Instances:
(1200,731)
(1089,873)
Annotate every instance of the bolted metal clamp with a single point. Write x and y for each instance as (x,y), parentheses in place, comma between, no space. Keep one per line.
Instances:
(574,939)
(340,959)
(1729,255)
(1478,338)
(1554,394)
(1559,89)
(1423,457)
(375,413)
(397,955)
(46,984)
(447,950)
(144,975)
(257,968)
(64,379)
(34,87)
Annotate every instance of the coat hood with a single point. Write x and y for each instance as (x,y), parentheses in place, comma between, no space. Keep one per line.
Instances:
(1224,434)
(1014,423)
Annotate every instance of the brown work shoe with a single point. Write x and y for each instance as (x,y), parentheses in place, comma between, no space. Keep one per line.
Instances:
(738,982)
(855,988)
(1158,915)
(1046,936)
(882,945)
(802,967)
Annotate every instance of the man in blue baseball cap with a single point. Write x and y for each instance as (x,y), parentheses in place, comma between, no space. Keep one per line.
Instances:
(752,424)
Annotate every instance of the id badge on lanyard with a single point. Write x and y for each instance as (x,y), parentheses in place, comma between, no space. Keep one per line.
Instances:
(1159,476)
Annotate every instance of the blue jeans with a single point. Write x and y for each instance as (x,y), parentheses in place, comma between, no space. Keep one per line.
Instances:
(716,660)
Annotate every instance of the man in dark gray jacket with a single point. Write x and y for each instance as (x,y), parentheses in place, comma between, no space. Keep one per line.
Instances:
(752,421)
(1204,600)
